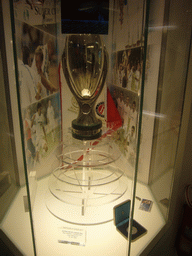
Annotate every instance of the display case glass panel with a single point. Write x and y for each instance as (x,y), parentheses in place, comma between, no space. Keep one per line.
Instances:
(170,101)
(99,135)
(9,173)
(12,189)
(8,178)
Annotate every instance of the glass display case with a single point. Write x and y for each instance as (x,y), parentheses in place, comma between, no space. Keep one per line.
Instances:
(92,114)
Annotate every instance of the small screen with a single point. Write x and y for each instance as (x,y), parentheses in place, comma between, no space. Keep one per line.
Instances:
(85,17)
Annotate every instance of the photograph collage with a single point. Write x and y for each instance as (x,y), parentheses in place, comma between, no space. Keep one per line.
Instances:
(39,93)
(127,76)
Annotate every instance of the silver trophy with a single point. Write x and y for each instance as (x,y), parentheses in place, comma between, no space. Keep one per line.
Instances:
(84,64)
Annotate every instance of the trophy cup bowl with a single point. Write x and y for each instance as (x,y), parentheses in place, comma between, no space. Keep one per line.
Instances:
(84,64)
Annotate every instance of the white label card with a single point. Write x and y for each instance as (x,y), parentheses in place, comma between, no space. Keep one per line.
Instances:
(74,236)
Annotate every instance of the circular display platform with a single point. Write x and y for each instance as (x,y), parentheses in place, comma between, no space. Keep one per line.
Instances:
(86,182)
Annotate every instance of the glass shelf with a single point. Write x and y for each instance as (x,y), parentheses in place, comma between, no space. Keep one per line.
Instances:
(86,179)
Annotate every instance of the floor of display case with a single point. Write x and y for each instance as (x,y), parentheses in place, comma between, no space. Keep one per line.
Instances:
(102,239)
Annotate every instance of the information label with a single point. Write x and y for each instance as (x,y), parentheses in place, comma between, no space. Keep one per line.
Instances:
(74,236)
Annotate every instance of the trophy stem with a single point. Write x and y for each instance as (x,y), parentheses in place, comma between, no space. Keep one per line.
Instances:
(86,126)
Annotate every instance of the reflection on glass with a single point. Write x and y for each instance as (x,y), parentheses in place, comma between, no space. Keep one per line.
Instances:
(170,98)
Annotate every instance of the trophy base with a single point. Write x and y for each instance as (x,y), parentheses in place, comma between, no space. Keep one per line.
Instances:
(86,132)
